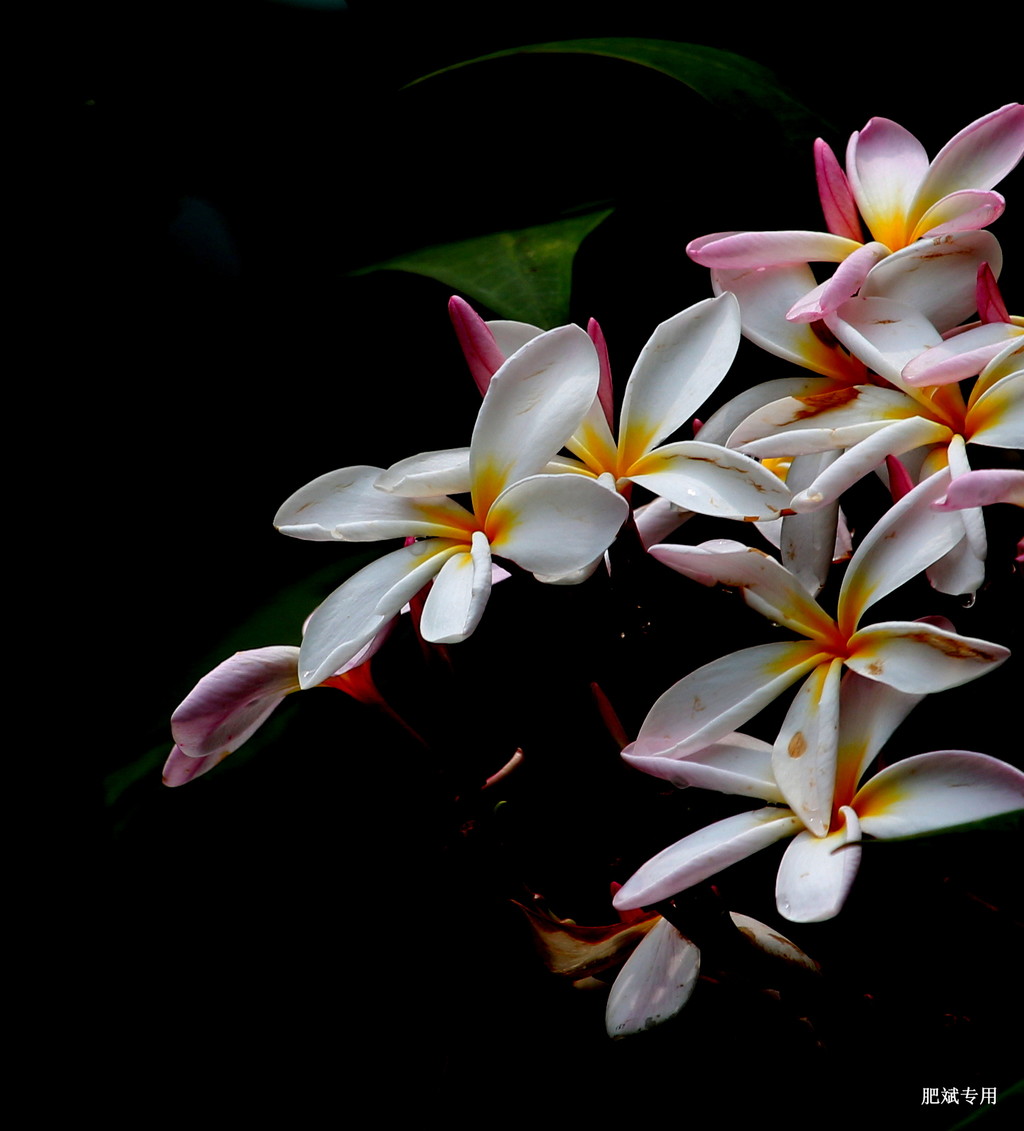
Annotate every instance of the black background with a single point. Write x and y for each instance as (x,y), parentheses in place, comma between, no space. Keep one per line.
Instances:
(327,924)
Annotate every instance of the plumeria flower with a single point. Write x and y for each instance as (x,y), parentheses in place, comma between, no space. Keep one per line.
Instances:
(924,794)
(549,524)
(873,423)
(681,365)
(229,704)
(902,199)
(912,656)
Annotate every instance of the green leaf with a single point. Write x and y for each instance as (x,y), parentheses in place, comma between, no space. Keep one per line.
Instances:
(524,274)
(739,85)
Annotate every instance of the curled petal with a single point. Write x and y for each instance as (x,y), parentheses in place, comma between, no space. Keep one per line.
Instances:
(654,984)
(841,217)
(347,505)
(741,250)
(736,764)
(482,353)
(960,212)
(703,854)
(996,418)
(230,703)
(981,488)
(960,357)
(459,594)
(936,791)
(817,873)
(428,474)
(179,769)
(845,283)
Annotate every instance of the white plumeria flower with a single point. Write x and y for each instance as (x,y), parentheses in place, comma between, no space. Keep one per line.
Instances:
(911,656)
(548,524)
(679,368)
(924,794)
(907,204)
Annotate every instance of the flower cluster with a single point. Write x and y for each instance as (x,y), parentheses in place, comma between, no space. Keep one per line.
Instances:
(892,380)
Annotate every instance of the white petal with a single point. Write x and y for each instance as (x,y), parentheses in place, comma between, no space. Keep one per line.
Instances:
(346,505)
(722,423)
(807,541)
(884,334)
(353,614)
(936,277)
(905,541)
(737,764)
(533,404)
(769,940)
(817,872)
(996,418)
(457,598)
(704,853)
(767,586)
(869,713)
(655,982)
(937,791)
(511,336)
(804,758)
(766,295)
(712,480)
(678,369)
(431,473)
(555,524)
(715,699)
(921,658)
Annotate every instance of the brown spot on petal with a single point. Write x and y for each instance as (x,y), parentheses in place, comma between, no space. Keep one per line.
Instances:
(958,649)
(697,704)
(797,745)
(876,667)
(822,401)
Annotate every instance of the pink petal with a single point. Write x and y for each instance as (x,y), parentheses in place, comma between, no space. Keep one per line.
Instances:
(978,157)
(844,284)
(841,216)
(960,357)
(960,212)
(482,354)
(741,250)
(981,488)
(179,769)
(886,165)
(230,703)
